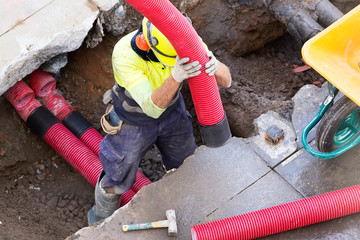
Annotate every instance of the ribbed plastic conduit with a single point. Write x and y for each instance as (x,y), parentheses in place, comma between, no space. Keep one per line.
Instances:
(79,156)
(44,86)
(74,151)
(283,217)
(186,42)
(60,138)
(24,113)
(19,95)
(140,182)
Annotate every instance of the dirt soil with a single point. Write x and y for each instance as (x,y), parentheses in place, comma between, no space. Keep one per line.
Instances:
(42,197)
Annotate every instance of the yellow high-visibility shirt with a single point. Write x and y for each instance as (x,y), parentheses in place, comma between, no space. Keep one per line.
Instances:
(139,77)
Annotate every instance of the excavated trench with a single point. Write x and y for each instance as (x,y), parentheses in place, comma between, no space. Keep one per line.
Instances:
(42,197)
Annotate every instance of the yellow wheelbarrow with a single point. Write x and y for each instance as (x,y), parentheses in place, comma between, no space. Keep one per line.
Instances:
(335,54)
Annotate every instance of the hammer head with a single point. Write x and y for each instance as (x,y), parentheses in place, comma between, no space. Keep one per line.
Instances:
(171,217)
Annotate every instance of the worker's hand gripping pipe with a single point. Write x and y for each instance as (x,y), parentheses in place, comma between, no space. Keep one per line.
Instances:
(163,14)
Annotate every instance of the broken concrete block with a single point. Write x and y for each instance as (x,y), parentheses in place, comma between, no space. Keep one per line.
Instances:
(59,27)
(273,154)
(55,64)
(105,5)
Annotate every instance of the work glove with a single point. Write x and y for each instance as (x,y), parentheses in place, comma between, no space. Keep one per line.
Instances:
(212,65)
(184,70)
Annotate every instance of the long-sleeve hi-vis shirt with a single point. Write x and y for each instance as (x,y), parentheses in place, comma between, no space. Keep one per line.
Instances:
(139,77)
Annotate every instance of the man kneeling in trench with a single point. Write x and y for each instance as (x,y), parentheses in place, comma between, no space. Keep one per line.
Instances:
(147,99)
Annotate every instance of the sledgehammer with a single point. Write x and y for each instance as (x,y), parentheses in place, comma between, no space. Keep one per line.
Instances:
(170,223)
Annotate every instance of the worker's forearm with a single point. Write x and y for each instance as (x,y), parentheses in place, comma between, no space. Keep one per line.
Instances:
(223,76)
(165,93)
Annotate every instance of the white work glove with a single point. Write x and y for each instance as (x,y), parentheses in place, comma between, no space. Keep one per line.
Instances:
(184,70)
(212,65)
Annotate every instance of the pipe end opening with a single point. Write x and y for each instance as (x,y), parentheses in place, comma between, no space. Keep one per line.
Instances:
(23,102)
(193,234)
(46,89)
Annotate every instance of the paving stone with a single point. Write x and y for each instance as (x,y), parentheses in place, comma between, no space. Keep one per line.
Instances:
(272,190)
(268,191)
(205,182)
(312,176)
(54,29)
(273,154)
(307,103)
(105,5)
(14,12)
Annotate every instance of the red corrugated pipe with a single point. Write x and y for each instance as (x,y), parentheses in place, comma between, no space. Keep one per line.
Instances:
(179,31)
(283,217)
(58,136)
(74,151)
(44,86)
(21,95)
(85,161)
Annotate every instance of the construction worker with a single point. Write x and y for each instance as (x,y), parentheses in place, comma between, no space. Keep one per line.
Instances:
(147,98)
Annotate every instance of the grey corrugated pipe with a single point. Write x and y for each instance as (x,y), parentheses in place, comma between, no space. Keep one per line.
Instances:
(327,13)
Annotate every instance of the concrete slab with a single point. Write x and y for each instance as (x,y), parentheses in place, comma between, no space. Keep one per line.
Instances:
(272,190)
(37,39)
(14,12)
(312,176)
(268,191)
(36,31)
(204,183)
(273,154)
(307,103)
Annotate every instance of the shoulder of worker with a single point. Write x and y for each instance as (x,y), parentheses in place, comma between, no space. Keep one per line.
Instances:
(123,51)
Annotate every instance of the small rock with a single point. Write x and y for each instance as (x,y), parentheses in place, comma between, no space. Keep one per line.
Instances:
(53,202)
(79,225)
(81,214)
(41,176)
(87,206)
(156,159)
(71,196)
(62,203)
(71,208)
(41,166)
(50,178)
(43,199)
(31,170)
(75,211)
(74,203)
(2,152)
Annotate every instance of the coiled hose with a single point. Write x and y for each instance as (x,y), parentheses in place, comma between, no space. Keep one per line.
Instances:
(283,217)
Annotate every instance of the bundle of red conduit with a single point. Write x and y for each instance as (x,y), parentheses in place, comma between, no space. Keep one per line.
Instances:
(79,146)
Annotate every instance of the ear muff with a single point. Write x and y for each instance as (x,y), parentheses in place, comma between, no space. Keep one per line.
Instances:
(141,42)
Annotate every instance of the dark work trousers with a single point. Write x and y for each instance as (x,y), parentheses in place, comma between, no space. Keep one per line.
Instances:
(120,154)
